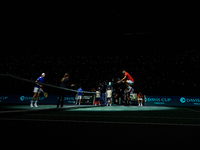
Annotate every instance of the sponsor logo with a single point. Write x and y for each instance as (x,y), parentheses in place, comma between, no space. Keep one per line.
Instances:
(182,100)
(145,99)
(158,100)
(86,97)
(25,98)
(190,100)
(163,99)
(68,98)
(3,98)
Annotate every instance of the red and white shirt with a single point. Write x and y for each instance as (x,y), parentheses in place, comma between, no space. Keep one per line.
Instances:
(128,76)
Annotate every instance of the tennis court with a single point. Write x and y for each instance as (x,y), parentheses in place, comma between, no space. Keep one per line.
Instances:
(154,115)
(146,115)
(90,125)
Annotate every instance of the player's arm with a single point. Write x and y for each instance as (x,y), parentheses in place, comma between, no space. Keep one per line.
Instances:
(38,83)
(122,79)
(62,79)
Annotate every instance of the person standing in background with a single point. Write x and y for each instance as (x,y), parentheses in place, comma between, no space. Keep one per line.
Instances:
(103,90)
(109,96)
(79,95)
(97,101)
(140,99)
(65,83)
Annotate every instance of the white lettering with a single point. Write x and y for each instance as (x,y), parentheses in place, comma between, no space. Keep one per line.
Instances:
(159,99)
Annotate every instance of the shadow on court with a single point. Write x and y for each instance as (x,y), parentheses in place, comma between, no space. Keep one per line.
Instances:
(154,115)
(90,125)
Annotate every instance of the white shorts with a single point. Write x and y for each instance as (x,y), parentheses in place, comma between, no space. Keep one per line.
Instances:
(139,99)
(129,82)
(79,97)
(36,90)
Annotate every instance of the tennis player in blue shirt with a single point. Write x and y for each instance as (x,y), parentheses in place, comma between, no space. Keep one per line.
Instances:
(37,89)
(79,94)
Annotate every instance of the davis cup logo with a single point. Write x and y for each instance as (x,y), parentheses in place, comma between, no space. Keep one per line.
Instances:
(182,100)
(145,99)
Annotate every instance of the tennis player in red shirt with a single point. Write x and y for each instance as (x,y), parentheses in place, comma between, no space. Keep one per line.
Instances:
(127,79)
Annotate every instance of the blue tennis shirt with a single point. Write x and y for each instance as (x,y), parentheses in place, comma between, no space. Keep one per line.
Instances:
(39,80)
(79,93)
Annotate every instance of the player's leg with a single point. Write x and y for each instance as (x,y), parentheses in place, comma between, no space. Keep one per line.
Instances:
(129,85)
(80,100)
(138,102)
(125,84)
(108,101)
(35,90)
(61,93)
(34,95)
(37,97)
(58,101)
(102,98)
(141,102)
(128,98)
(62,100)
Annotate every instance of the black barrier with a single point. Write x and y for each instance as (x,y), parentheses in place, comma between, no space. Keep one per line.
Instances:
(172,100)
(89,99)
(51,99)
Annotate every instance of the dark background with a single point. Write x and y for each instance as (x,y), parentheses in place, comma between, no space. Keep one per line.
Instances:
(157,43)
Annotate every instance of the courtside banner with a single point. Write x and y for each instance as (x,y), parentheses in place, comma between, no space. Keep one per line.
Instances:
(25,99)
(172,100)
(87,99)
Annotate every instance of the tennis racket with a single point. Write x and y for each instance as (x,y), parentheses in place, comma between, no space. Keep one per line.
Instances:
(44,93)
(118,79)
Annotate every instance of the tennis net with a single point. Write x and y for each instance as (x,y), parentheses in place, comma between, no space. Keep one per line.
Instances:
(17,90)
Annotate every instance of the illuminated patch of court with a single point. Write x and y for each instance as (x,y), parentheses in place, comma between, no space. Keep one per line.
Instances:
(124,108)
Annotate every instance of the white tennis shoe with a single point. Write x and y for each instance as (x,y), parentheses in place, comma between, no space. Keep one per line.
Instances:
(35,105)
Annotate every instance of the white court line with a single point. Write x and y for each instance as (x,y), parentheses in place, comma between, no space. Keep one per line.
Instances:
(100,122)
